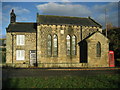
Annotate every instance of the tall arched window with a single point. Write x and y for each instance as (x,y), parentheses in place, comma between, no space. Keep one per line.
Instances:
(55,45)
(49,45)
(68,44)
(98,49)
(73,45)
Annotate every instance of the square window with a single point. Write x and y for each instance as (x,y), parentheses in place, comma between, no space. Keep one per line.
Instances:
(20,40)
(20,55)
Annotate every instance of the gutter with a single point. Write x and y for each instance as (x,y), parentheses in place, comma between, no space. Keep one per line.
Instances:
(12,47)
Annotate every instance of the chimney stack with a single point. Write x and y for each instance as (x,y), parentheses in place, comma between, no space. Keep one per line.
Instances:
(12,17)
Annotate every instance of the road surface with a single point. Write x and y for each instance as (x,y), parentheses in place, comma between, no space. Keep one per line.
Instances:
(37,72)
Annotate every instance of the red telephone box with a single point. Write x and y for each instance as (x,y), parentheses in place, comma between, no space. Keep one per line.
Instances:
(111,59)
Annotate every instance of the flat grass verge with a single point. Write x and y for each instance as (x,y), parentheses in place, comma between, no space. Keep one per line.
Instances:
(99,81)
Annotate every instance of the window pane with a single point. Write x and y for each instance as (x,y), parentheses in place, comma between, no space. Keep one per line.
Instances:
(20,55)
(49,45)
(20,40)
(98,49)
(68,44)
(32,54)
(55,45)
(17,54)
(73,45)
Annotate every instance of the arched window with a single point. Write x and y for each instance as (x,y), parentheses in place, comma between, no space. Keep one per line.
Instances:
(98,49)
(73,45)
(68,44)
(55,45)
(49,45)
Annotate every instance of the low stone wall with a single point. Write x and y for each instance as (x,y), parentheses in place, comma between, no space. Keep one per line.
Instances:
(17,65)
(53,65)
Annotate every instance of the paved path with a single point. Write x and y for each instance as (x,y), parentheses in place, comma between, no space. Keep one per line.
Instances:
(57,72)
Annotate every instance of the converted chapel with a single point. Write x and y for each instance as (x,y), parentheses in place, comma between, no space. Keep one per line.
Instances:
(56,41)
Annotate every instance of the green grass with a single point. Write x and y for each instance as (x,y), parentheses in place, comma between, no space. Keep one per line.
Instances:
(100,81)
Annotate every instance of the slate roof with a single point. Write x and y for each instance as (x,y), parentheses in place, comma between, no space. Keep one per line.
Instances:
(22,27)
(50,19)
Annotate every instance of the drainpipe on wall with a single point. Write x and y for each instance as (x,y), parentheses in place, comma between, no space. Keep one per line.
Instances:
(81,32)
(12,47)
(36,49)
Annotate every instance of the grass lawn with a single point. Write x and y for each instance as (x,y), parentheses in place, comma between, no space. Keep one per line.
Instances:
(98,81)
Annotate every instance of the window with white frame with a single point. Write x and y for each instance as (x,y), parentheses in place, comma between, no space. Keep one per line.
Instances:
(73,45)
(68,44)
(20,39)
(55,45)
(49,45)
(20,54)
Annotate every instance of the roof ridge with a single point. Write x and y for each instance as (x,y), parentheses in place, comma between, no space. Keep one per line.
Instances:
(64,16)
(95,21)
(25,22)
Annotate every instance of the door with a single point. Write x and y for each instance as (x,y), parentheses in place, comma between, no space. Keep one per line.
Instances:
(83,52)
(32,58)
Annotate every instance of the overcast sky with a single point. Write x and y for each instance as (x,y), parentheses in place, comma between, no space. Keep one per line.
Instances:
(26,11)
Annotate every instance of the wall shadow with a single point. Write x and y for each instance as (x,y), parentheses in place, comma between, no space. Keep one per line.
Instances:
(83,51)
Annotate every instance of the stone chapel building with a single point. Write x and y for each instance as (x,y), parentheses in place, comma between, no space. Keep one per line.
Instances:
(56,41)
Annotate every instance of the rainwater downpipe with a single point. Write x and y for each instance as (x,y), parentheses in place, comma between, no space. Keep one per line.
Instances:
(12,46)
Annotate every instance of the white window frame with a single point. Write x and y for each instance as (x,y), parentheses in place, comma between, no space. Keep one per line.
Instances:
(49,47)
(74,45)
(68,45)
(20,54)
(55,45)
(20,40)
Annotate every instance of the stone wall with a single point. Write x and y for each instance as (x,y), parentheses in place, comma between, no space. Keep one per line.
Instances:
(93,60)
(86,31)
(8,48)
(62,32)
(62,60)
(30,44)
(39,42)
